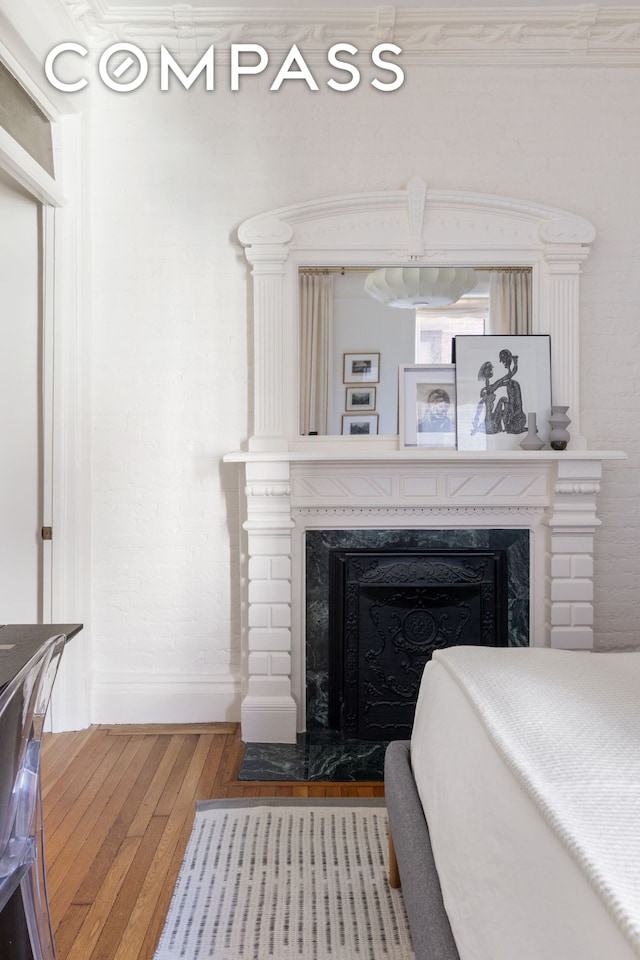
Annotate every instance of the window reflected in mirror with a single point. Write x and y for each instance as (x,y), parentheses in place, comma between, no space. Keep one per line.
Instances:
(435,330)
(347,312)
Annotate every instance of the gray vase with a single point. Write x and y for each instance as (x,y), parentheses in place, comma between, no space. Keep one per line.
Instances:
(559,436)
(532,440)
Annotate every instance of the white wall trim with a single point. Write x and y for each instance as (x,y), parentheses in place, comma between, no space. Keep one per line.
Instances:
(71,506)
(28,172)
(161,698)
(576,35)
(29,29)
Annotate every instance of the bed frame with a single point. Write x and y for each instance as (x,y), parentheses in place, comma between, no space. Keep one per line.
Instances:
(411,863)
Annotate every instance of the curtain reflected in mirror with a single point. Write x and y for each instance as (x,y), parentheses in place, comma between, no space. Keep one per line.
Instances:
(510,301)
(337,316)
(316,326)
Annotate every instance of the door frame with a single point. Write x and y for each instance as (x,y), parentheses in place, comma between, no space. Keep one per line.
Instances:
(65,388)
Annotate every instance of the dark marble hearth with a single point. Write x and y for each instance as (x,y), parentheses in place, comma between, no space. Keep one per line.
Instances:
(319,755)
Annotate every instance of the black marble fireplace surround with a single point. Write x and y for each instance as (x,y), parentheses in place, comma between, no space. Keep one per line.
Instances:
(487,602)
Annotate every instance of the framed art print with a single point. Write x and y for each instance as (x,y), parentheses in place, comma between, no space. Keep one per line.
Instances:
(360,398)
(427,405)
(361,368)
(499,380)
(359,425)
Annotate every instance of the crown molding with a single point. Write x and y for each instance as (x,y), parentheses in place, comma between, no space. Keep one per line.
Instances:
(584,34)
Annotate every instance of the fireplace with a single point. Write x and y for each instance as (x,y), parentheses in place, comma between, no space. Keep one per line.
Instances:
(290,496)
(379,602)
(295,484)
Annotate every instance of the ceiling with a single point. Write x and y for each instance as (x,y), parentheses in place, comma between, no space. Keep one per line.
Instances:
(428,32)
(113,8)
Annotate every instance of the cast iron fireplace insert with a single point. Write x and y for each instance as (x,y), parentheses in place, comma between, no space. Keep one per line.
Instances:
(389,610)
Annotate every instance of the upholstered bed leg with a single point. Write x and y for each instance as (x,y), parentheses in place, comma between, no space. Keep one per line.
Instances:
(394,873)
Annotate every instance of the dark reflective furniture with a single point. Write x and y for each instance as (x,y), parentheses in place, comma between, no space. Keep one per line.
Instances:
(29,660)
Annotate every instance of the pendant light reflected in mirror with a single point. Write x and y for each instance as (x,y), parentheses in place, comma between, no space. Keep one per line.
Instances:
(412,287)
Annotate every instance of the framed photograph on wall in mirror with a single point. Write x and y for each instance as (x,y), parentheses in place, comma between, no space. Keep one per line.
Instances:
(359,425)
(499,380)
(427,405)
(361,368)
(360,398)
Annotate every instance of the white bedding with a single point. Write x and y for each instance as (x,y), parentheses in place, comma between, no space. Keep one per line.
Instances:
(527,762)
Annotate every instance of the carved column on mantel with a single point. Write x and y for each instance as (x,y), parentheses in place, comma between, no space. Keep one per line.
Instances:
(267,252)
(567,244)
(573,523)
(268,710)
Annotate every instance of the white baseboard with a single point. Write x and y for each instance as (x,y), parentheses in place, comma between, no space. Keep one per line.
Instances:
(165,699)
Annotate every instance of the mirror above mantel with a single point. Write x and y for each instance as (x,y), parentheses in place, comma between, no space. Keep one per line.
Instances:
(399,315)
(413,227)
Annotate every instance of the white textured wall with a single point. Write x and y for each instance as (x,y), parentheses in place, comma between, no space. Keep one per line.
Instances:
(172,177)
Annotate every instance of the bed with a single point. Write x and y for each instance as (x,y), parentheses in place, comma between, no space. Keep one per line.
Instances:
(514,808)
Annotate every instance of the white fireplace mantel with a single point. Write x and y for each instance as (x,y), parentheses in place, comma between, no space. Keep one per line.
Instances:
(294,483)
(552,494)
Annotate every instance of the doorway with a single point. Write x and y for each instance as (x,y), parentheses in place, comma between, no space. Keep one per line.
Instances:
(21,406)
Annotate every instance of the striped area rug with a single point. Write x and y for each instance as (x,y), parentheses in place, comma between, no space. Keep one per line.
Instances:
(286,880)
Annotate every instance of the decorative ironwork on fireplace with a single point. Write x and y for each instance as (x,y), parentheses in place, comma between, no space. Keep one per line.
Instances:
(389,611)
(515,543)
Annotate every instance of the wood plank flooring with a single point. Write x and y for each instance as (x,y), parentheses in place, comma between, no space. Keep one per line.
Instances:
(118,806)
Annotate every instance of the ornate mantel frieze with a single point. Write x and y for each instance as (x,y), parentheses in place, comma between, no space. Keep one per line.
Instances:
(412,514)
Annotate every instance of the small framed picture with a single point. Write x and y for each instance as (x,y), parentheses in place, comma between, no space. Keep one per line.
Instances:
(361,368)
(427,404)
(499,380)
(360,398)
(355,425)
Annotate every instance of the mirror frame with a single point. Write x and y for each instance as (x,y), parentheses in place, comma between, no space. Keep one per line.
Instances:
(414,226)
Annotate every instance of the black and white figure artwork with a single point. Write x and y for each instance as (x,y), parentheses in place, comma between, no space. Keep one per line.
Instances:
(500,379)
(500,405)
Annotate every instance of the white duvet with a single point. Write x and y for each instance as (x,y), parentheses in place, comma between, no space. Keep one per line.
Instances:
(527,762)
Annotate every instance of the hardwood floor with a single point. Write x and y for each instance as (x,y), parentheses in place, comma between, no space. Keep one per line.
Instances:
(118,806)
